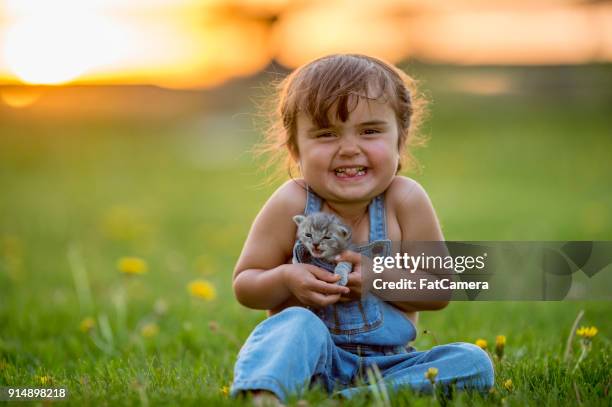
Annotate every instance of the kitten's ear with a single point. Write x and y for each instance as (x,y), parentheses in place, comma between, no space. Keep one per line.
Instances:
(344,231)
(299,219)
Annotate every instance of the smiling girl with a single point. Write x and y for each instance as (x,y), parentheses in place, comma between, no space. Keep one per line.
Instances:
(344,122)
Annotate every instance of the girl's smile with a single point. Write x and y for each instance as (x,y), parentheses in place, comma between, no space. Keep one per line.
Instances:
(350,172)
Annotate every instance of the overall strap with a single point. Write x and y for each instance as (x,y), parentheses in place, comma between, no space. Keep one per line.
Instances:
(376,211)
(313,202)
(378,220)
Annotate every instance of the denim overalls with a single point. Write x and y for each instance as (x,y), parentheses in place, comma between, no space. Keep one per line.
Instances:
(370,325)
(333,346)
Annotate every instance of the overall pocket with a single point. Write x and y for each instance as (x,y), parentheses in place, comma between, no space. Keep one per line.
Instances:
(349,318)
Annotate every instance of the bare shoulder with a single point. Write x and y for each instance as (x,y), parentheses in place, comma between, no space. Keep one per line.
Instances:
(409,201)
(270,240)
(404,192)
(275,218)
(289,198)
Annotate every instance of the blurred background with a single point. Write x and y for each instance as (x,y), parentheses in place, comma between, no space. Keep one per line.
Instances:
(126,129)
(150,108)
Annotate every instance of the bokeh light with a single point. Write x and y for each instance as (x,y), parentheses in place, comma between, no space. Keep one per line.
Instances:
(204,43)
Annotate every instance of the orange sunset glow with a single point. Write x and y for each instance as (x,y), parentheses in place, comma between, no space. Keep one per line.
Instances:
(192,44)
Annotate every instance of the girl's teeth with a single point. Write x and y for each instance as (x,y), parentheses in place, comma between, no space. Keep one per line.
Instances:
(350,172)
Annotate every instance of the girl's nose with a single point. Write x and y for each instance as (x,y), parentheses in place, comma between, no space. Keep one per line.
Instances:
(349,147)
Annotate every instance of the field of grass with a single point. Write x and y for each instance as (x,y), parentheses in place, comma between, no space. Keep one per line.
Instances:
(77,195)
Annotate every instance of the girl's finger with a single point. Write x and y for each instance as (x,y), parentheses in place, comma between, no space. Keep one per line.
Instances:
(324,275)
(354,279)
(350,256)
(322,300)
(326,288)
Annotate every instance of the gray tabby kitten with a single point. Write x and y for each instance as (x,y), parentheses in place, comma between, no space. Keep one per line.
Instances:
(325,236)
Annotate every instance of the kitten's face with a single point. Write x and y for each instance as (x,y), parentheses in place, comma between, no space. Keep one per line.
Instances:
(323,234)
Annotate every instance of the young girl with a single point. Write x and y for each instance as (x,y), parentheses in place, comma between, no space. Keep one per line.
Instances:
(344,121)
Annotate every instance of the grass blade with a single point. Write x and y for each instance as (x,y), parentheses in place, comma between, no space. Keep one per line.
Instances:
(81,281)
(570,338)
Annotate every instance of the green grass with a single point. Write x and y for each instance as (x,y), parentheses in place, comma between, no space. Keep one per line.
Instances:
(78,195)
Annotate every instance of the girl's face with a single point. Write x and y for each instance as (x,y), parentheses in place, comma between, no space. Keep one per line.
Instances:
(351,161)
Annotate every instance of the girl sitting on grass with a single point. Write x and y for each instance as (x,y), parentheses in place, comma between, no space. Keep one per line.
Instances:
(344,121)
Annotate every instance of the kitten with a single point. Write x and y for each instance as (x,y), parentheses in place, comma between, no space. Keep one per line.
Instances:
(325,236)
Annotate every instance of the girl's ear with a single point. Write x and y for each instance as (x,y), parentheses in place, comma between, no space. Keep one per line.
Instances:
(299,219)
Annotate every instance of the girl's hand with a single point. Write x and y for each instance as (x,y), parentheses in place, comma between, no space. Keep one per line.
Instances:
(312,285)
(354,277)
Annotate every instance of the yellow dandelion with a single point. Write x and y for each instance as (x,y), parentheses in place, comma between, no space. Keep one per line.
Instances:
(500,344)
(149,330)
(481,343)
(44,380)
(225,390)
(431,374)
(202,289)
(87,324)
(508,384)
(132,265)
(587,332)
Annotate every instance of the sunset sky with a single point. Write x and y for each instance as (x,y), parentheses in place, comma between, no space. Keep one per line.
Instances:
(199,43)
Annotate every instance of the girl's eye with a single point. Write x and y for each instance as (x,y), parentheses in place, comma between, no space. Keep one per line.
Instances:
(371,131)
(308,235)
(327,134)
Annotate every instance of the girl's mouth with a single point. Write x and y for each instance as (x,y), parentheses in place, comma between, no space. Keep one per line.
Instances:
(351,172)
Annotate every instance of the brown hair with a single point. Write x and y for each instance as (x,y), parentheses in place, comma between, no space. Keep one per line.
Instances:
(314,87)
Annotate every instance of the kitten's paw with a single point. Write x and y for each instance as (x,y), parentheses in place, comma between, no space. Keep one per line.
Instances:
(343,269)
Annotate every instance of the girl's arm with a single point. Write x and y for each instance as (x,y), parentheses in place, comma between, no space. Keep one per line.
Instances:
(262,279)
(418,223)
(258,276)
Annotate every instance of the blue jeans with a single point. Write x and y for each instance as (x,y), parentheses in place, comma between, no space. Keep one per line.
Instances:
(293,349)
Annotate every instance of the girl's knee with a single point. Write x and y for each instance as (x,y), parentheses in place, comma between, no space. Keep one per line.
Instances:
(302,318)
(290,326)
(484,375)
(471,366)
